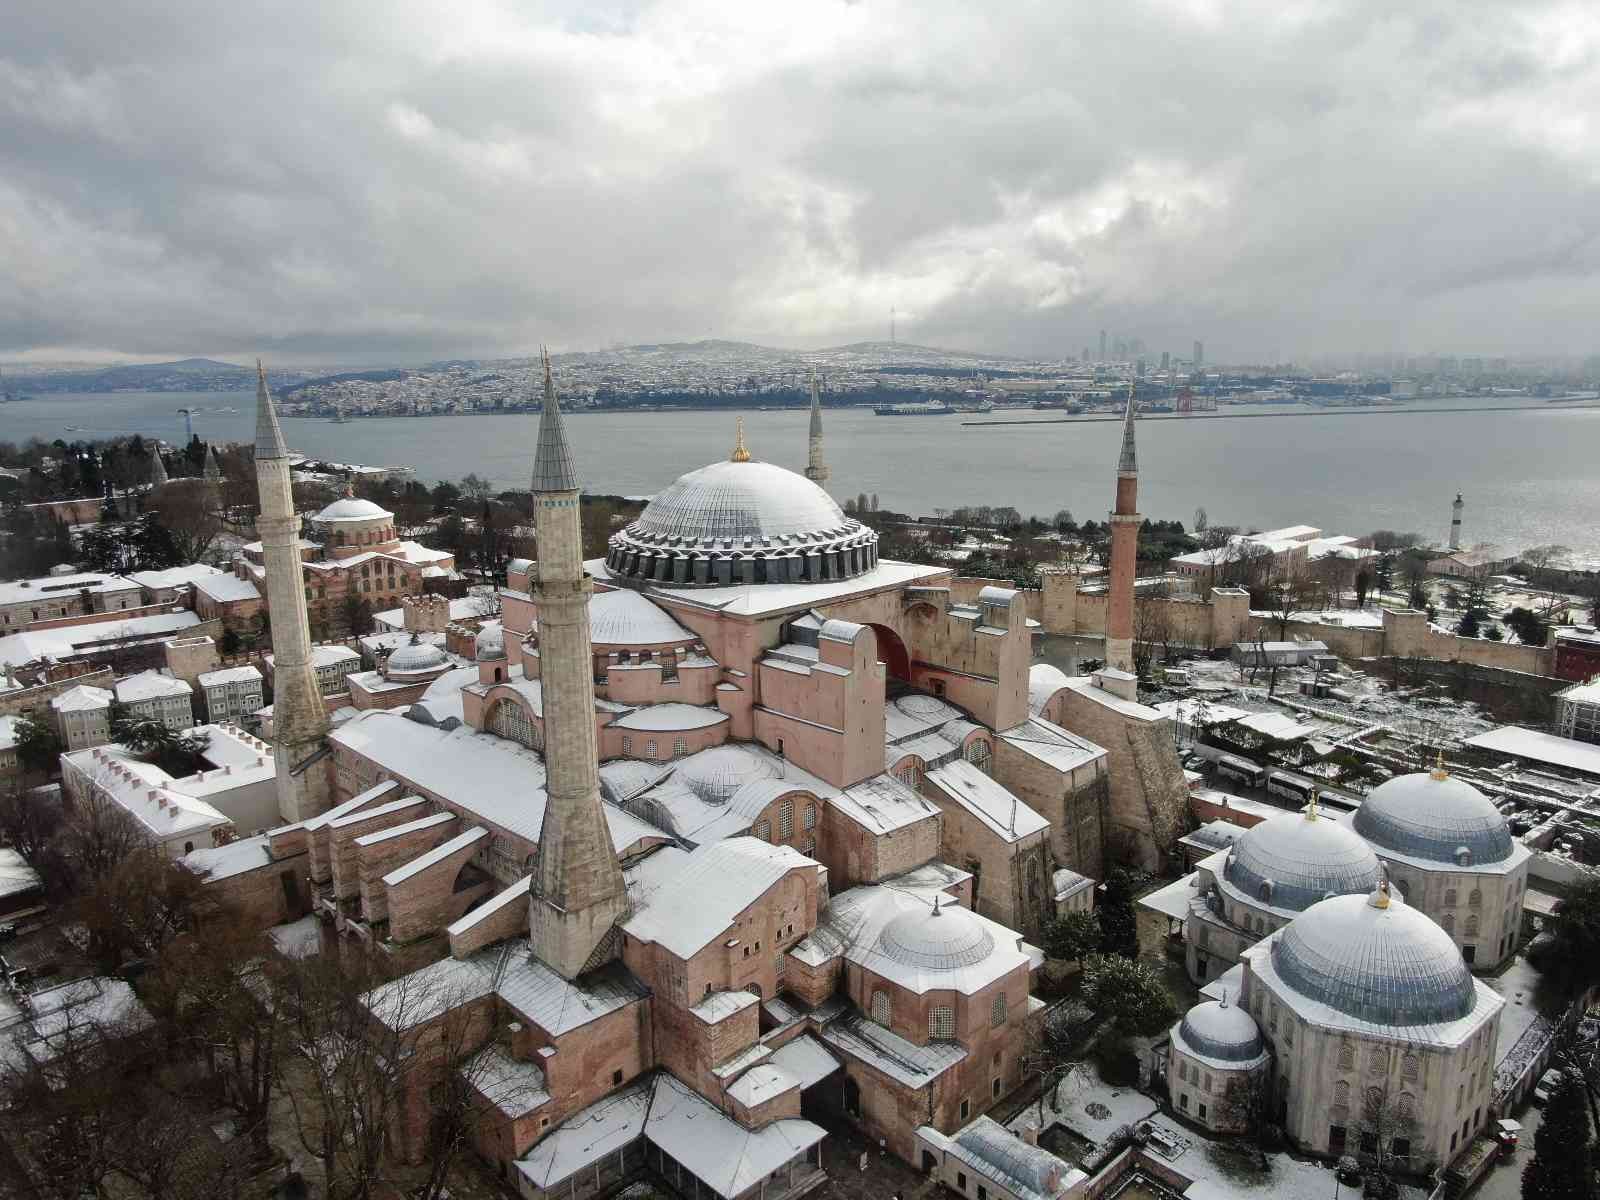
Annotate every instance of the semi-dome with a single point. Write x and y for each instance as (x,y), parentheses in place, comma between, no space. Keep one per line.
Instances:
(714,775)
(351,508)
(1376,959)
(416,658)
(490,643)
(1432,816)
(1219,1030)
(742,522)
(1293,861)
(942,938)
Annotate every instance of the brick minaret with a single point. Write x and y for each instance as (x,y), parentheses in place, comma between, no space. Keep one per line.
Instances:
(578,893)
(299,721)
(816,469)
(1125,522)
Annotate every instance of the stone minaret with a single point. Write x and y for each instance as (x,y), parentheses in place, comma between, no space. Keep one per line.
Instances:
(299,721)
(816,469)
(1125,522)
(578,894)
(158,469)
(213,469)
(1455,523)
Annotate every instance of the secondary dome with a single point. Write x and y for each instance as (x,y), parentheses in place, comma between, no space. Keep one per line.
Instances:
(415,659)
(1295,860)
(1377,959)
(351,508)
(490,642)
(714,775)
(1432,816)
(1217,1029)
(937,939)
(742,522)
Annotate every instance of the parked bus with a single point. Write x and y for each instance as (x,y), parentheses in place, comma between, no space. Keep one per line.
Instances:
(1292,786)
(1231,766)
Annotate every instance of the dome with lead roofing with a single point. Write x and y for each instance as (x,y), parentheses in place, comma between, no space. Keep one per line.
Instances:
(714,775)
(1222,1031)
(742,522)
(1294,860)
(416,658)
(943,938)
(1431,815)
(351,508)
(490,643)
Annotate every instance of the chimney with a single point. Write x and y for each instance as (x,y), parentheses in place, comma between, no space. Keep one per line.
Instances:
(1030,1134)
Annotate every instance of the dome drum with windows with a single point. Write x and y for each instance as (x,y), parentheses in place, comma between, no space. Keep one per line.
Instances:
(741,522)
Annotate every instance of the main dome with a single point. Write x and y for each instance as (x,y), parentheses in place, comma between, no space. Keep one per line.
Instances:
(351,508)
(1376,959)
(1293,861)
(1435,817)
(742,522)
(936,939)
(1219,1030)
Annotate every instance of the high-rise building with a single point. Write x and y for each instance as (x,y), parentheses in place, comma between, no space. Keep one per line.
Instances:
(1166,359)
(578,894)
(1199,353)
(299,720)
(1102,345)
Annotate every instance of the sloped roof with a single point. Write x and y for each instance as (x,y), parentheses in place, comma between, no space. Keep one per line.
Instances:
(720,880)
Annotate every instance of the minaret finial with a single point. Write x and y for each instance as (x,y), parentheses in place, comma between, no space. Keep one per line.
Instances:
(740,454)
(1311,805)
(1439,771)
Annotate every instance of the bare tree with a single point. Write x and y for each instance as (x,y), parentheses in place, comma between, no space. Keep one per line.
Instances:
(1152,627)
(98,832)
(188,512)
(1385,1130)
(1049,1054)
(1245,1106)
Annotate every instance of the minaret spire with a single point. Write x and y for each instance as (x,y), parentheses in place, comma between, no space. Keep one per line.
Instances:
(158,469)
(1125,521)
(299,720)
(578,895)
(816,469)
(740,454)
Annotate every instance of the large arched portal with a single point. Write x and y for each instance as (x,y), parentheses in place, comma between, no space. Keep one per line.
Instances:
(892,653)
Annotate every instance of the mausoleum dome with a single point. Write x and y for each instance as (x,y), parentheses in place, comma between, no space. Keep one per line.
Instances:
(1433,816)
(351,508)
(490,643)
(944,938)
(417,658)
(742,522)
(1222,1031)
(1376,959)
(1293,861)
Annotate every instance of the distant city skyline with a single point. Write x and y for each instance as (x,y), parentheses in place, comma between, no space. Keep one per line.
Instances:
(352,183)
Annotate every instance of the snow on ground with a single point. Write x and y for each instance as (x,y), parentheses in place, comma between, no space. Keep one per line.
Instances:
(1088,1107)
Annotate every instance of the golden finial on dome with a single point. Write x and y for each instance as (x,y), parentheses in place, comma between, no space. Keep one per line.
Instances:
(1380,898)
(740,454)
(1438,771)
(1311,805)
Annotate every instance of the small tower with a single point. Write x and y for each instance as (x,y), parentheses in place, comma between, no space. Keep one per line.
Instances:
(1455,523)
(158,469)
(578,894)
(816,469)
(213,469)
(299,720)
(1125,522)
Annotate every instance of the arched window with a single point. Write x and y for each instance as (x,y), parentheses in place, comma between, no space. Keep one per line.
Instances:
(880,1008)
(811,816)
(1341,1093)
(979,754)
(786,820)
(1475,899)
(1347,1056)
(762,830)
(1447,922)
(1377,1061)
(508,720)
(1450,900)
(1410,1066)
(942,1022)
(1472,925)
(997,1011)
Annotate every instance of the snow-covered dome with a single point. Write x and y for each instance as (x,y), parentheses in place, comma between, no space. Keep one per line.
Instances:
(415,659)
(944,938)
(352,508)
(761,522)
(714,775)
(1377,959)
(490,643)
(1294,860)
(1219,1030)
(1432,816)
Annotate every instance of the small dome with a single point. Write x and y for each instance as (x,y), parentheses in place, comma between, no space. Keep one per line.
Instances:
(490,643)
(1294,860)
(415,659)
(1377,959)
(937,939)
(1433,816)
(1217,1029)
(714,775)
(352,508)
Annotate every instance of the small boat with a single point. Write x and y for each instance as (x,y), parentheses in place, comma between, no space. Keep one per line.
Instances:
(925,409)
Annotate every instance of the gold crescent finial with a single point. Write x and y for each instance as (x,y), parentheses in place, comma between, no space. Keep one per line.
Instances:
(1381,898)
(1438,771)
(740,454)
(1311,805)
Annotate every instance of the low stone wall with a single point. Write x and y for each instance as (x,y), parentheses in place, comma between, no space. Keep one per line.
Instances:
(35,701)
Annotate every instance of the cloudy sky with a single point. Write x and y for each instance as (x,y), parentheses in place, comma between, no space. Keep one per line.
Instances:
(345,181)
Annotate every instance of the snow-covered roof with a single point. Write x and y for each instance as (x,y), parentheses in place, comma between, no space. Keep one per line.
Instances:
(762,1083)
(1044,681)
(1539,747)
(987,799)
(516,1088)
(1192,710)
(670,718)
(82,698)
(174,576)
(588,1136)
(718,882)
(806,1060)
(1222,1033)
(223,862)
(1051,744)
(1433,816)
(227,588)
(719,1006)
(298,939)
(328,656)
(720,1153)
(903,1061)
(771,599)
(15,874)
(625,618)
(437,855)
(50,587)
(245,674)
(1291,861)
(883,804)
(145,792)
(991,1151)
(351,508)
(70,640)
(909,715)
(150,685)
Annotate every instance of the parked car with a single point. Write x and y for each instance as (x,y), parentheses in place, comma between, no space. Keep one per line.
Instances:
(1546,1084)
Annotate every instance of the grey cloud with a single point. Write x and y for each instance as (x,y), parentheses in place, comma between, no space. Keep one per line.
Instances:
(354,181)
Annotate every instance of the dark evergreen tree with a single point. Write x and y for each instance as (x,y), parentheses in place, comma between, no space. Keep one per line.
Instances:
(1562,1167)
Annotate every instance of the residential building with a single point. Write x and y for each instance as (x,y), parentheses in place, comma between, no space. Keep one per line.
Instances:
(157,697)
(232,694)
(82,716)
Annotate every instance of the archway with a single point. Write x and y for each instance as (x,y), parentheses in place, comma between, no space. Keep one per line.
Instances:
(892,653)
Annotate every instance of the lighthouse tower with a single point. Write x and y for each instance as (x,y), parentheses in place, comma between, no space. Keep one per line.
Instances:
(578,893)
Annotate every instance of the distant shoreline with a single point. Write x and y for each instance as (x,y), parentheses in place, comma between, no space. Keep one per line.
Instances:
(1352,410)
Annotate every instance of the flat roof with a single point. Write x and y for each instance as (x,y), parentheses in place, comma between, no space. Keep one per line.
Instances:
(1539,747)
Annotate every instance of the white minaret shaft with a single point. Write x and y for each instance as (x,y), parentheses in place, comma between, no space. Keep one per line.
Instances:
(816,468)
(299,720)
(578,894)
(1455,523)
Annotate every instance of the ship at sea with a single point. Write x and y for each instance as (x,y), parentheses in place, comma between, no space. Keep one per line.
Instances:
(929,408)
